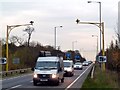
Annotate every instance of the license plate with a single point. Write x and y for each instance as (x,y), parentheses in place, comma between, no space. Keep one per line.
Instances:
(43,79)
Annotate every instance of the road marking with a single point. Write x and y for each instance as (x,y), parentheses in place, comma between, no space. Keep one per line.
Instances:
(31,81)
(77,78)
(15,77)
(16,86)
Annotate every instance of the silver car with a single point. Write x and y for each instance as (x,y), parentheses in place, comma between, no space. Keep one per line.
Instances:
(85,63)
(78,66)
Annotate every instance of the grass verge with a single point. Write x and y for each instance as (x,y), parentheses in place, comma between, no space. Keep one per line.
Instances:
(102,80)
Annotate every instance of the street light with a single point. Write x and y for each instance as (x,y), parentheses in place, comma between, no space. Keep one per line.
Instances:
(102,30)
(55,28)
(99,17)
(73,44)
(9,29)
(97,42)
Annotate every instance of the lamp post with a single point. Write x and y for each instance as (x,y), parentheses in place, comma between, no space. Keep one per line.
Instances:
(97,42)
(73,44)
(99,17)
(9,29)
(102,30)
(55,28)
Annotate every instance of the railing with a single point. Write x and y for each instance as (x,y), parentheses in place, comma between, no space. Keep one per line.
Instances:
(19,71)
(92,72)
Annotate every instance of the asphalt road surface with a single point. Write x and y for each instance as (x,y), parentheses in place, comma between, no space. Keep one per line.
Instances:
(25,82)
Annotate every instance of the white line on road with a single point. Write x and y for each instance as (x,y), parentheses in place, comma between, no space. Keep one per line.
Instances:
(77,78)
(31,81)
(15,77)
(16,86)
(13,87)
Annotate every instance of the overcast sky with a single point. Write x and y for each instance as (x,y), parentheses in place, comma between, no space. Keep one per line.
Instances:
(48,14)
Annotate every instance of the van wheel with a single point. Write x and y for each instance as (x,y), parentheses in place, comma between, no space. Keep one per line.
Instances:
(57,83)
(62,80)
(72,74)
(34,83)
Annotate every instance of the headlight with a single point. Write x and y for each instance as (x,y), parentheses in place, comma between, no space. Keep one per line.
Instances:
(69,69)
(54,75)
(35,76)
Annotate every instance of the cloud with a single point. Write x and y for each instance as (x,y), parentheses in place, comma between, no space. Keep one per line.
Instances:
(50,13)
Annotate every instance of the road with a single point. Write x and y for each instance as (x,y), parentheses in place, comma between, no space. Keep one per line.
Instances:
(25,82)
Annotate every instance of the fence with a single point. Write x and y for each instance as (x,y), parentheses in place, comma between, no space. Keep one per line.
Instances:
(19,71)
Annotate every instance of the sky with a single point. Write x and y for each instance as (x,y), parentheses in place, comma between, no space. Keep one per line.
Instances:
(48,14)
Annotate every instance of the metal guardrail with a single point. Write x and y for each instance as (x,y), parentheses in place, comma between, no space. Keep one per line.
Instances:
(92,72)
(19,71)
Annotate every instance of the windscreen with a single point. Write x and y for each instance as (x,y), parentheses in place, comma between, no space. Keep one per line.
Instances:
(67,64)
(78,64)
(46,65)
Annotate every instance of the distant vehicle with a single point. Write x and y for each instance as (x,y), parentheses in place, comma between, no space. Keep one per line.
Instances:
(48,69)
(85,63)
(89,62)
(78,65)
(68,67)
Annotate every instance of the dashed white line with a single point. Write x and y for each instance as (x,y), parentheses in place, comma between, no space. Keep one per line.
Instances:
(13,87)
(15,77)
(77,78)
(16,86)
(31,81)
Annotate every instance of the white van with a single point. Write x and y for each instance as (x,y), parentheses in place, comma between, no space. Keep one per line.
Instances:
(48,69)
(68,67)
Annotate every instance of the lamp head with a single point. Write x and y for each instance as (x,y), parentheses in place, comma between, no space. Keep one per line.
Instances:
(31,22)
(77,21)
(61,26)
(89,1)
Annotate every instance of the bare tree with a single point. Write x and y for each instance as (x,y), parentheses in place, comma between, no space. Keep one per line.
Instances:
(119,39)
(16,40)
(3,41)
(33,43)
(29,31)
(13,39)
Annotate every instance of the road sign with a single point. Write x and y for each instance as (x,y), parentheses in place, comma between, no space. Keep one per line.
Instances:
(68,55)
(77,57)
(3,61)
(16,60)
(102,59)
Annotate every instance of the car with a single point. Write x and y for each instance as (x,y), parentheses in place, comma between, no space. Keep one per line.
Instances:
(48,69)
(68,67)
(78,65)
(85,63)
(89,62)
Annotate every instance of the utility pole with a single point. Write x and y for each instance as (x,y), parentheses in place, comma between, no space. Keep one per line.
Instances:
(55,28)
(98,25)
(9,28)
